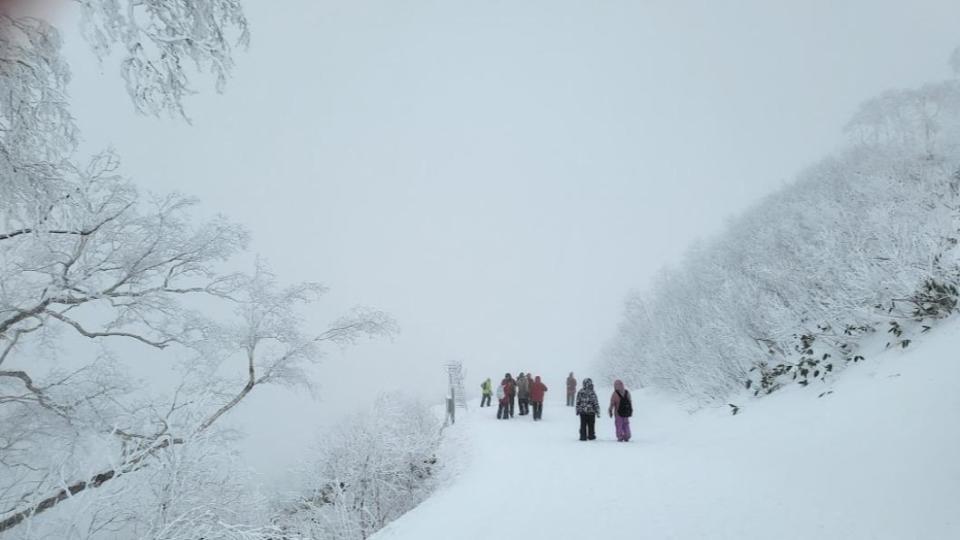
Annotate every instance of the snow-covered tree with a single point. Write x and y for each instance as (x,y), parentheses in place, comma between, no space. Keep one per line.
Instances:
(96,277)
(372,469)
(161,40)
(108,264)
(862,239)
(163,44)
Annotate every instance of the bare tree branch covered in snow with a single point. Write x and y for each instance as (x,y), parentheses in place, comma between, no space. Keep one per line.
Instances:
(106,264)
(37,134)
(164,43)
(802,275)
(161,39)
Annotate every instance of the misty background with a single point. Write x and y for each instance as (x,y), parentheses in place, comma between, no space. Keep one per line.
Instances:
(498,176)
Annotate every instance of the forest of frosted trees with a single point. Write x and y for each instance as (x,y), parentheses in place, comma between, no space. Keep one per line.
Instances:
(861,242)
(99,279)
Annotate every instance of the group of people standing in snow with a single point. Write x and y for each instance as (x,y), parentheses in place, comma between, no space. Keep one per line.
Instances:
(529,390)
(588,408)
(526,390)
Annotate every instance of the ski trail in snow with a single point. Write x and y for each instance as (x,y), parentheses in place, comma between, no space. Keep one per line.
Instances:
(875,459)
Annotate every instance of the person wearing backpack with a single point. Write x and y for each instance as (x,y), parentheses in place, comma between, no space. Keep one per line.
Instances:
(487,388)
(621,406)
(587,409)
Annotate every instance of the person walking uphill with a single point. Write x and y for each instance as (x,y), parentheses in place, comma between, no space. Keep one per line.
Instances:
(622,406)
(571,389)
(587,409)
(523,393)
(487,388)
(537,390)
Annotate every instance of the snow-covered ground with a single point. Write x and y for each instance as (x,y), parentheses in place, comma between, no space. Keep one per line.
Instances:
(877,458)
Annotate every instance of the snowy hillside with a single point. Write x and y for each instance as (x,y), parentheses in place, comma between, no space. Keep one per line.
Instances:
(876,458)
(863,239)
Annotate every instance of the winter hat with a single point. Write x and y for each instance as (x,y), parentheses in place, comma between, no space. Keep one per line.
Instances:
(588,383)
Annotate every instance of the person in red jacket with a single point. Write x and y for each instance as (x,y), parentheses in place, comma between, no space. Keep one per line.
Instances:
(537,390)
(502,405)
(510,387)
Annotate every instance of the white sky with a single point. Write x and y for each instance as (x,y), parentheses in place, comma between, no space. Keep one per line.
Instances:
(498,174)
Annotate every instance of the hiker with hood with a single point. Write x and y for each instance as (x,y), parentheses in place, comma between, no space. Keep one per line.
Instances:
(502,401)
(587,409)
(537,390)
(571,389)
(510,387)
(523,393)
(621,406)
(487,388)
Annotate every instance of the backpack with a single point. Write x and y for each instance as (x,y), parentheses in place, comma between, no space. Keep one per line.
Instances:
(625,407)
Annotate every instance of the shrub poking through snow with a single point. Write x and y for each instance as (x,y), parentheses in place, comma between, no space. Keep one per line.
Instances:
(935,299)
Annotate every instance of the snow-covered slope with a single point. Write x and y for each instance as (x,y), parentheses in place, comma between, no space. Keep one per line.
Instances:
(877,458)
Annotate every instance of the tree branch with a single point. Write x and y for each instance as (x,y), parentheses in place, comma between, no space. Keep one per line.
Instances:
(133,464)
(81,232)
(38,392)
(251,382)
(22,315)
(84,332)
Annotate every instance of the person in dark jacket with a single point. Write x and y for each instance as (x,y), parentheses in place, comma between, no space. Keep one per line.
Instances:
(621,406)
(487,388)
(571,389)
(523,393)
(587,409)
(510,386)
(537,391)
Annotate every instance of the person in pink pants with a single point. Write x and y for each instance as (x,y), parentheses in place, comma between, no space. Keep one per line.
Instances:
(621,407)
